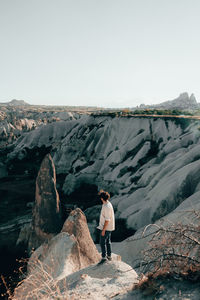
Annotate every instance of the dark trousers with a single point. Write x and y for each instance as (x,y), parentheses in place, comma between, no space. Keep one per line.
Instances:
(105,243)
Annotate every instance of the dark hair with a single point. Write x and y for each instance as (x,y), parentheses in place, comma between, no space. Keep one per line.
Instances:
(104,195)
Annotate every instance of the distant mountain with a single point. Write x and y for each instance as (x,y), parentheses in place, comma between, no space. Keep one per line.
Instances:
(15,102)
(183,102)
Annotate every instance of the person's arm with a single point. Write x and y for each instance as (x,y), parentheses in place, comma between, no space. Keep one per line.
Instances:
(104,227)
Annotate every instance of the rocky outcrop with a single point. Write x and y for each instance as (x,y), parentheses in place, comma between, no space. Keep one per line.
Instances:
(76,224)
(183,102)
(18,118)
(56,258)
(66,253)
(54,273)
(47,211)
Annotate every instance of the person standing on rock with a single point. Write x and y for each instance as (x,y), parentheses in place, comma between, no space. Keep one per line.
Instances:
(106,225)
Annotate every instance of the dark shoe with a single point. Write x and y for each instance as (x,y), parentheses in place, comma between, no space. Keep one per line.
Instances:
(109,257)
(103,260)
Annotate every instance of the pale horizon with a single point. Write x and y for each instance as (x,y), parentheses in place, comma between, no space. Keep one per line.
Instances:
(120,107)
(108,53)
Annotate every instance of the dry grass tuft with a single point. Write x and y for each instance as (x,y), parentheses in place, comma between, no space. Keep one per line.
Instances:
(39,285)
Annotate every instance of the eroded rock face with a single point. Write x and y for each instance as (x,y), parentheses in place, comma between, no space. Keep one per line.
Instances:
(76,224)
(47,211)
(149,165)
(17,119)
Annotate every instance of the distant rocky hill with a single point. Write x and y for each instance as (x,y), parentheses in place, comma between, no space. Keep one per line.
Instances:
(15,102)
(183,102)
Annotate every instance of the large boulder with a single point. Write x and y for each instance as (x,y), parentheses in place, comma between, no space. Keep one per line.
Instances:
(52,260)
(76,224)
(47,210)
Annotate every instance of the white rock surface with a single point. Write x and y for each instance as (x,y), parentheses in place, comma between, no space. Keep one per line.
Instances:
(151,165)
(101,282)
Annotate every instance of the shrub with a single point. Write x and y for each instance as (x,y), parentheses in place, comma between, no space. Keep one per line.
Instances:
(172,256)
(174,249)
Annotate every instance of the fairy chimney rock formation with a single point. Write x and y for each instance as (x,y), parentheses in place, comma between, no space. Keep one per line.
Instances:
(47,210)
(76,224)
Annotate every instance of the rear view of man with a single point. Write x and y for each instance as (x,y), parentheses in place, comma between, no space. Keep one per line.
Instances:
(106,225)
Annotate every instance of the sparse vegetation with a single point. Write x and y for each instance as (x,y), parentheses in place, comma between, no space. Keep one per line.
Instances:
(39,285)
(173,112)
(173,252)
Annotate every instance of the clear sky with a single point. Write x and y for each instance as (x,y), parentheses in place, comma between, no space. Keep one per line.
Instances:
(111,53)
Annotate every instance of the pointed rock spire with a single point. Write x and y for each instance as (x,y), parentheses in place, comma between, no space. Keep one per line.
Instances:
(76,224)
(47,211)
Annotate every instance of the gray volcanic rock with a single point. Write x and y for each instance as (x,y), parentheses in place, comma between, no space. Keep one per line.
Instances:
(47,212)
(11,129)
(150,165)
(76,224)
(49,135)
(17,118)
